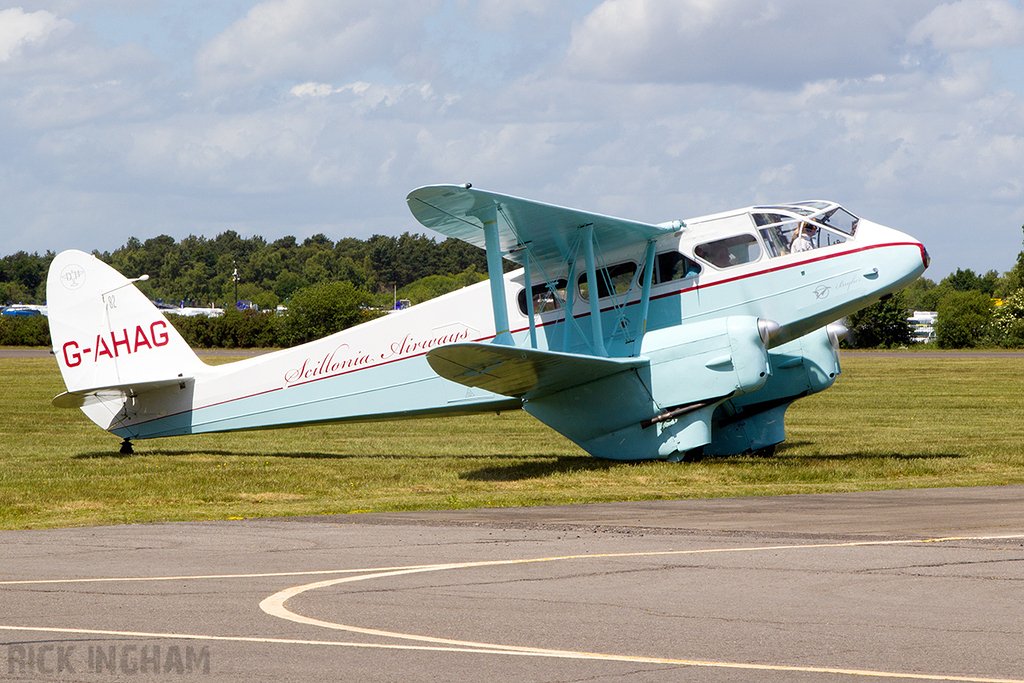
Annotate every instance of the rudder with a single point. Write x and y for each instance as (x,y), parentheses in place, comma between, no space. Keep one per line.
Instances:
(106,333)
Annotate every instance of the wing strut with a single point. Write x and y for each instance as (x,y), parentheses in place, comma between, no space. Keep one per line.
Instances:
(496,274)
(645,295)
(529,298)
(570,290)
(592,291)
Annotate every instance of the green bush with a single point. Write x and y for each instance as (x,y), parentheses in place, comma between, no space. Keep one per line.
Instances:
(322,309)
(962,319)
(1006,326)
(433,286)
(1014,337)
(234,329)
(881,325)
(32,330)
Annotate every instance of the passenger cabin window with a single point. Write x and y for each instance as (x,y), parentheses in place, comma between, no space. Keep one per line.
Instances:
(544,299)
(672,266)
(612,280)
(731,251)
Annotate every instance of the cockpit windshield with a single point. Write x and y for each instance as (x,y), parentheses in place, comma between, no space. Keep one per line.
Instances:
(793,228)
(840,219)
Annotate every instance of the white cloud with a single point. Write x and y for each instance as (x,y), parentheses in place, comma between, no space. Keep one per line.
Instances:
(308,116)
(18,29)
(495,13)
(54,73)
(299,39)
(774,44)
(969,25)
(312,89)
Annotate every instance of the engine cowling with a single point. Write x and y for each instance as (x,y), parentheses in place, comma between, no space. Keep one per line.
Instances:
(663,410)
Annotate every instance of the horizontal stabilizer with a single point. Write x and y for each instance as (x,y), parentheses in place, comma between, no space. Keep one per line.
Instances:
(523,373)
(88,397)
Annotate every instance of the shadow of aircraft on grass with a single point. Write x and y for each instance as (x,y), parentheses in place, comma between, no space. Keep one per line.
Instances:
(583,462)
(539,466)
(784,452)
(522,468)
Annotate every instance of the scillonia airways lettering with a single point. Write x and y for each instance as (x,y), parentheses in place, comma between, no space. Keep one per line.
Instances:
(409,344)
(341,358)
(329,364)
(120,342)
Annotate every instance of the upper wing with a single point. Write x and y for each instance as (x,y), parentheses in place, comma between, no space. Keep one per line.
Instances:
(548,230)
(522,372)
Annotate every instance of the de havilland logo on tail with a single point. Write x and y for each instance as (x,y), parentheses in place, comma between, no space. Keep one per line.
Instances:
(696,338)
(72,276)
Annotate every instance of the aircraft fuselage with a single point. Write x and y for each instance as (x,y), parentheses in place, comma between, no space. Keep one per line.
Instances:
(741,265)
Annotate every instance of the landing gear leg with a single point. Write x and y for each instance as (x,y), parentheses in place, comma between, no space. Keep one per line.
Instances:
(694,454)
(126,448)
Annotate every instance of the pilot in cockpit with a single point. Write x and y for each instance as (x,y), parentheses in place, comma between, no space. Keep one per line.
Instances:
(804,240)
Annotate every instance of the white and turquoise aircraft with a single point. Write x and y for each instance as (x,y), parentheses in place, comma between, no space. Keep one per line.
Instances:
(634,340)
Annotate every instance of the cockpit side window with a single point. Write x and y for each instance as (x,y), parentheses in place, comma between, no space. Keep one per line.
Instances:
(778,232)
(826,238)
(729,252)
(544,299)
(784,234)
(761,219)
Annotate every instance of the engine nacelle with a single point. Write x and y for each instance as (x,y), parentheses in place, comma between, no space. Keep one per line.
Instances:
(666,407)
(756,421)
(716,358)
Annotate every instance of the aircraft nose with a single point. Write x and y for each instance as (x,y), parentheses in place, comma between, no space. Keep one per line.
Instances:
(921,259)
(926,259)
(914,262)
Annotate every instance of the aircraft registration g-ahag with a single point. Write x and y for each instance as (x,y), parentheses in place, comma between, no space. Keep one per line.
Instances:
(634,340)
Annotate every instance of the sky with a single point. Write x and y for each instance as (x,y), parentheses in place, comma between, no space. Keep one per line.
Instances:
(123,118)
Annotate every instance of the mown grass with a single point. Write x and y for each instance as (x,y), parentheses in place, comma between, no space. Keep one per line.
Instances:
(900,421)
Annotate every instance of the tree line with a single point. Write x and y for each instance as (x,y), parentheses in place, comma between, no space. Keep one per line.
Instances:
(325,285)
(328,286)
(974,311)
(201,272)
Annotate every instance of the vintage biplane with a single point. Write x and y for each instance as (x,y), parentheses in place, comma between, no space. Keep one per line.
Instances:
(634,340)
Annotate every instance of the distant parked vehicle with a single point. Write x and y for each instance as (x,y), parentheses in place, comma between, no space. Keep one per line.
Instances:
(922,325)
(23,310)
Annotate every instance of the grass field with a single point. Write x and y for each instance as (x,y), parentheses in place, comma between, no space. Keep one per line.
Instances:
(891,421)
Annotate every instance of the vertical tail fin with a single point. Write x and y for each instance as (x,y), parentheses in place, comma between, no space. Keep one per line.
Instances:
(107,335)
